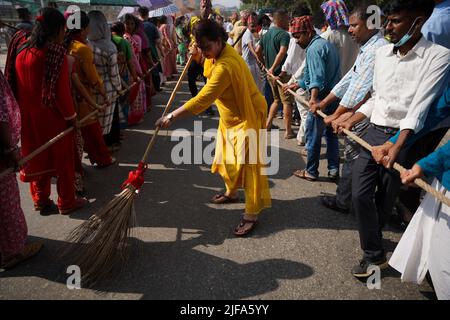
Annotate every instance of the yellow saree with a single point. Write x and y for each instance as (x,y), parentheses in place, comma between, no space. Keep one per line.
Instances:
(243,112)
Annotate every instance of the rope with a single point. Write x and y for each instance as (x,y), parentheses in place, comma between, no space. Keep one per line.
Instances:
(420,182)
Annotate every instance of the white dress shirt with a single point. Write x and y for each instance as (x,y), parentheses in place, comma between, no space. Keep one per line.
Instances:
(295,57)
(404,87)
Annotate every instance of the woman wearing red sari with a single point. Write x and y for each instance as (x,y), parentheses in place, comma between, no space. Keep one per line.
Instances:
(46,107)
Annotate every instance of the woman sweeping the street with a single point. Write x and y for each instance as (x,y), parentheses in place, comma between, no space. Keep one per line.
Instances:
(242,110)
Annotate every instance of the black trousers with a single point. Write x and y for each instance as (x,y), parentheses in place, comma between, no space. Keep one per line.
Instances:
(374,190)
(113,136)
(194,71)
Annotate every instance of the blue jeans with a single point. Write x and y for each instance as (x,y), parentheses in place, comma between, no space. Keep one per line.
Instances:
(315,129)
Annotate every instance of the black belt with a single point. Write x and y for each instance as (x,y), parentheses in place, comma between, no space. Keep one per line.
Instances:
(386,130)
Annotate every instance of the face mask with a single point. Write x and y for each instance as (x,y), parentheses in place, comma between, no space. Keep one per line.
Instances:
(407,36)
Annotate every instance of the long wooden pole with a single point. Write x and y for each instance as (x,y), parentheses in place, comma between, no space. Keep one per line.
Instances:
(61,135)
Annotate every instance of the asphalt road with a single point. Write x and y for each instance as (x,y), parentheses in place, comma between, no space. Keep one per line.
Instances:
(185,246)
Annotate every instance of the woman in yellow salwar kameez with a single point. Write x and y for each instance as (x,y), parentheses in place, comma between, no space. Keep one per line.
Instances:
(243,112)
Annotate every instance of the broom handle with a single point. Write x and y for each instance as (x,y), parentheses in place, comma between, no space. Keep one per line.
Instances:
(8,25)
(420,182)
(169,104)
(61,135)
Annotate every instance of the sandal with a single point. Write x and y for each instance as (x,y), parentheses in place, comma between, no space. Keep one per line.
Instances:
(27,252)
(222,199)
(290,136)
(240,231)
(303,174)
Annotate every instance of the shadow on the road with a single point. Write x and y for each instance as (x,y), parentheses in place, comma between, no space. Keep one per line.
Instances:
(173,270)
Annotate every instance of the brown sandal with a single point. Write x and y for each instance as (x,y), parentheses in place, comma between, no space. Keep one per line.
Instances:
(303,174)
(240,231)
(222,199)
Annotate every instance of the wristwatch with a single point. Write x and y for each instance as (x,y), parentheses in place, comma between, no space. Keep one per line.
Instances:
(170,116)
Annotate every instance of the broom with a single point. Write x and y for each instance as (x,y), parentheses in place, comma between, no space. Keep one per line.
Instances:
(419,182)
(64,133)
(103,236)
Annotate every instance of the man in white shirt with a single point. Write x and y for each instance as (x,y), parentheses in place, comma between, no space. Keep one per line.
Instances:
(409,74)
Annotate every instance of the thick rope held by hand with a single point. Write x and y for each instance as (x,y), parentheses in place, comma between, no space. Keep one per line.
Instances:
(420,182)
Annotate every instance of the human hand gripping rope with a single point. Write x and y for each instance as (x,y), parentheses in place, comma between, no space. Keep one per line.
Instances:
(419,182)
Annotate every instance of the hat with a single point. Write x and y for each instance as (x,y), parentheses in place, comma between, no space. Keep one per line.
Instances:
(301,24)
(336,13)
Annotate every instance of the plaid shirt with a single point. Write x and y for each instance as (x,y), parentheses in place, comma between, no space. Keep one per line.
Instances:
(354,86)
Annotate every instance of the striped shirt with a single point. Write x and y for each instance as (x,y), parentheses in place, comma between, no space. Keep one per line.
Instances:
(358,81)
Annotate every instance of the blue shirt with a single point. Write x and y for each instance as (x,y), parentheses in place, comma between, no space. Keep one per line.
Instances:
(354,86)
(322,69)
(437,165)
(437,27)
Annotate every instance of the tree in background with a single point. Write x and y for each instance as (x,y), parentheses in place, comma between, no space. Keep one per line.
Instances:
(290,5)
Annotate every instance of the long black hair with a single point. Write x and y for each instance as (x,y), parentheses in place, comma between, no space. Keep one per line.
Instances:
(48,25)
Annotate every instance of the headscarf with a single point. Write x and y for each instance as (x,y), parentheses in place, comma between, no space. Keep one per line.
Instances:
(336,13)
(99,32)
(301,24)
(17,41)
(56,53)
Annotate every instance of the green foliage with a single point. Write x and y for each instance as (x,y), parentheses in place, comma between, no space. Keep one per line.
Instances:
(290,5)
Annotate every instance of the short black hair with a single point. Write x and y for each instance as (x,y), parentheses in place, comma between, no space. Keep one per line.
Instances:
(280,14)
(360,10)
(302,9)
(143,11)
(209,29)
(118,27)
(23,13)
(418,6)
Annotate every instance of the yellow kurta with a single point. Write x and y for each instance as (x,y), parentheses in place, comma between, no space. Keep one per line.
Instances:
(89,77)
(243,111)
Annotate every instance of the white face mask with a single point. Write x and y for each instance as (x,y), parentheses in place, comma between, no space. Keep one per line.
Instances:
(407,36)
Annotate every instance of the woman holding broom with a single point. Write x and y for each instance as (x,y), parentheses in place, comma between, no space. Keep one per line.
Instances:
(242,108)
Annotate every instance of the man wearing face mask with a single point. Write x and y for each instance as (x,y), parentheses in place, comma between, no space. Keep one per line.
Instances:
(409,74)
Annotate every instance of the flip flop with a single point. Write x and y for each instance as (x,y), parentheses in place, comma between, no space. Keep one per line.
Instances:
(241,224)
(303,174)
(225,199)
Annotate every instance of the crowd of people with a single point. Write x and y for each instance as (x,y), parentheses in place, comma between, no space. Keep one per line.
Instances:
(388,84)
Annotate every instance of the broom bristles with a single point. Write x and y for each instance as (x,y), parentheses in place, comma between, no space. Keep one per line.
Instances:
(103,238)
